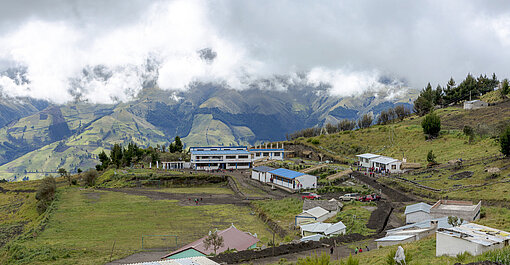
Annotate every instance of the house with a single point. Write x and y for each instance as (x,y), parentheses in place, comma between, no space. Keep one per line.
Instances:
(221,157)
(364,159)
(386,163)
(261,173)
(262,153)
(417,212)
(232,239)
(407,234)
(184,261)
(175,165)
(325,229)
(331,205)
(462,209)
(313,215)
(292,179)
(413,232)
(471,238)
(475,104)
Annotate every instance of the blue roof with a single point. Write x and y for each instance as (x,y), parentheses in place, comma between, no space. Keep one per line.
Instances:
(218,147)
(290,174)
(221,152)
(266,149)
(418,207)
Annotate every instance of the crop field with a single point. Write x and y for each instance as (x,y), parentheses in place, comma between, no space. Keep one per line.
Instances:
(86,223)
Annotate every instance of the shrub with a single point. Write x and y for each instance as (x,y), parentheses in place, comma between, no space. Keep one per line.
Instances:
(323,259)
(315,141)
(431,158)
(504,141)
(431,125)
(90,177)
(45,194)
(350,261)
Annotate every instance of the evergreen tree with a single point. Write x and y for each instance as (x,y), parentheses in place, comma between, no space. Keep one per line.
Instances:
(431,125)
(504,141)
(505,88)
(116,155)
(449,91)
(105,161)
(178,144)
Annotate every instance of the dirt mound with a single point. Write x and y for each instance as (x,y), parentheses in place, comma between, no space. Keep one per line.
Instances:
(379,218)
(248,255)
(461,175)
(390,193)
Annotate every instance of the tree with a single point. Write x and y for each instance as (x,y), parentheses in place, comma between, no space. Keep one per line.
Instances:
(213,240)
(449,91)
(402,112)
(63,173)
(384,118)
(504,141)
(116,155)
(455,221)
(178,144)
(468,131)
(431,158)
(431,125)
(505,88)
(365,121)
(346,125)
(45,194)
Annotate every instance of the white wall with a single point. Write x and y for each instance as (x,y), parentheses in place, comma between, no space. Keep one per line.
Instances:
(394,242)
(308,181)
(417,217)
(451,246)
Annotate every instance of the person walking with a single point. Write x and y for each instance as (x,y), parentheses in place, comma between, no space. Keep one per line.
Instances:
(356,250)
(367,248)
(331,250)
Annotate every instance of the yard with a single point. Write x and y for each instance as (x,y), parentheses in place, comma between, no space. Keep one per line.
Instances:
(87,224)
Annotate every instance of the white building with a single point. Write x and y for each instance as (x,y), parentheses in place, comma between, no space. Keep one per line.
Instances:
(175,165)
(386,163)
(224,157)
(292,179)
(417,212)
(263,152)
(325,229)
(314,215)
(364,159)
(472,238)
(462,209)
(261,173)
(475,104)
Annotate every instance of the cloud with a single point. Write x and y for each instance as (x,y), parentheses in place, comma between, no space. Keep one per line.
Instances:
(106,52)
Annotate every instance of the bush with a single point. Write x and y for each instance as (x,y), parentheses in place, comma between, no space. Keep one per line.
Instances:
(315,141)
(323,259)
(45,194)
(431,158)
(431,125)
(504,141)
(350,261)
(90,177)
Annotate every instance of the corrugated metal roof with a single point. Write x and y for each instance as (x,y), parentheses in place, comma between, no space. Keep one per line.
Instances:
(221,152)
(476,233)
(315,227)
(263,169)
(441,223)
(335,228)
(368,155)
(232,239)
(283,172)
(315,237)
(418,207)
(384,160)
(266,149)
(394,238)
(316,212)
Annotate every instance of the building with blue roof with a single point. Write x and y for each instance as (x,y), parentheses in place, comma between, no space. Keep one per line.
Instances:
(292,179)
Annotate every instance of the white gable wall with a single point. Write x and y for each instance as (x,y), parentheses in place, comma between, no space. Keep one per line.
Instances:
(416,217)
(308,181)
(452,246)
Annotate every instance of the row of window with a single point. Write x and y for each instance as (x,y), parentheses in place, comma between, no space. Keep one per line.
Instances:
(221,157)
(267,154)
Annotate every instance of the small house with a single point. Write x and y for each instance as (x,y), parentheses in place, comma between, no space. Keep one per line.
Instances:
(261,173)
(472,238)
(292,179)
(232,239)
(325,229)
(329,205)
(384,163)
(462,209)
(364,159)
(313,215)
(417,212)
(475,104)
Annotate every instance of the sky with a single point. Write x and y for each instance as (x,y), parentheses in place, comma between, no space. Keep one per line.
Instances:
(103,50)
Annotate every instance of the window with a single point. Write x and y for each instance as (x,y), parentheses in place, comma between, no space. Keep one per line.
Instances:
(393,166)
(243,156)
(277,154)
(258,154)
(230,157)
(266,154)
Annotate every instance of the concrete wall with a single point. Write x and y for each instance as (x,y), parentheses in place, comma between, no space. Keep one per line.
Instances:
(466,215)
(308,181)
(451,246)
(417,217)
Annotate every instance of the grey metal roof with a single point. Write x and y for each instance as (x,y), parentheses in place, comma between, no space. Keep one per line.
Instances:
(384,160)
(335,228)
(368,155)
(394,238)
(441,223)
(263,169)
(418,207)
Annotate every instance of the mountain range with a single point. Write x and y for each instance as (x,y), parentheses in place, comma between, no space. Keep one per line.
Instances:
(38,137)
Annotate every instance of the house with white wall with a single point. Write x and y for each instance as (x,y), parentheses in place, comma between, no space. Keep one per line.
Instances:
(417,212)
(263,152)
(472,238)
(313,215)
(220,157)
(261,173)
(325,229)
(292,179)
(364,159)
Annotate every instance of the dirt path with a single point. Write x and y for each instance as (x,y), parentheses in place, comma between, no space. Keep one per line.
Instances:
(185,199)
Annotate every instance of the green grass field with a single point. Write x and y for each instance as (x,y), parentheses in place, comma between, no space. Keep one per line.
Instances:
(281,211)
(86,224)
(207,189)
(355,216)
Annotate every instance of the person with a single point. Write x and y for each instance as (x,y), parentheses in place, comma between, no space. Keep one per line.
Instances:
(367,248)
(360,250)
(331,250)
(356,250)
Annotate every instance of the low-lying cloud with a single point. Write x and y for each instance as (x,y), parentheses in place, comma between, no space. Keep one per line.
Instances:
(105,53)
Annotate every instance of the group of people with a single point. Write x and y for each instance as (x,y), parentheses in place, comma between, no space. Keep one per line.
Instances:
(196,200)
(359,250)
